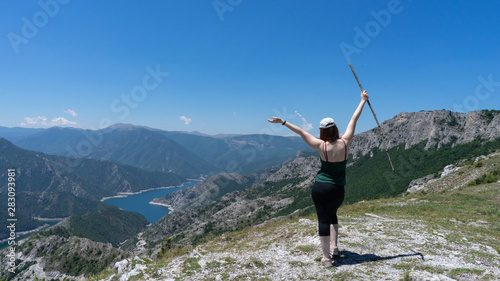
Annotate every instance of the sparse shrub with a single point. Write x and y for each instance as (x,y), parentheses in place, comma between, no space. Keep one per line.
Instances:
(255,263)
(191,264)
(486,178)
(166,246)
(406,276)
(136,277)
(229,260)
(306,248)
(490,114)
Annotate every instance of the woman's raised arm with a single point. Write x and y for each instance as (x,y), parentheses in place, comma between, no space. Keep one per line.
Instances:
(312,141)
(349,132)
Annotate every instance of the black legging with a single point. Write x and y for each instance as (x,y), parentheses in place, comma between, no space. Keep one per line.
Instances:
(327,198)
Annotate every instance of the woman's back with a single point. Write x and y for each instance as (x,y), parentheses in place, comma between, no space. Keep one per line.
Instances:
(333,169)
(336,151)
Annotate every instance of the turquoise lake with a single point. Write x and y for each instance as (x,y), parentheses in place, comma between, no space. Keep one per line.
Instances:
(140,202)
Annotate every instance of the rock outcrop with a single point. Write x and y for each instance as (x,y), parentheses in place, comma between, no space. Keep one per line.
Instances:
(438,127)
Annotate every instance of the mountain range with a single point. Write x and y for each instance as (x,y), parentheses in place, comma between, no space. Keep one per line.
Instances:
(70,174)
(188,155)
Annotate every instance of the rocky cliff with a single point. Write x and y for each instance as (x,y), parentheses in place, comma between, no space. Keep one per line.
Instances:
(437,127)
(48,257)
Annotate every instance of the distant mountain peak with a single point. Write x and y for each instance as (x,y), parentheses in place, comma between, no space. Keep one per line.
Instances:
(125,126)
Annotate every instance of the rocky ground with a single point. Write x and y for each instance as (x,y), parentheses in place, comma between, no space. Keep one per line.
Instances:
(372,247)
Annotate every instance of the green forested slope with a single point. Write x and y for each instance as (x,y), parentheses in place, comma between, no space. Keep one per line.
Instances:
(109,225)
(371,177)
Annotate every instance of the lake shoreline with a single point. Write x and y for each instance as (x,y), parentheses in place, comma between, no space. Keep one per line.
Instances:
(53,221)
(125,194)
(49,219)
(163,205)
(144,202)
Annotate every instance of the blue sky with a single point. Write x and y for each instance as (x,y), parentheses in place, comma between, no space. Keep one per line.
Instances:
(225,66)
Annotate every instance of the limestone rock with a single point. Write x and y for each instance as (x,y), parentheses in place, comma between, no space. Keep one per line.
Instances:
(437,128)
(448,169)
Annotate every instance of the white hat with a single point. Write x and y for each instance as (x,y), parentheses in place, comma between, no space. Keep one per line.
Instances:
(326,123)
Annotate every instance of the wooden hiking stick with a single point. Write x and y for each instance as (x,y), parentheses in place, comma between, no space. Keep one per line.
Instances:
(378,124)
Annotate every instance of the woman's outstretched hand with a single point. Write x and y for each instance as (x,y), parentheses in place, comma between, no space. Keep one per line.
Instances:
(275,120)
(364,96)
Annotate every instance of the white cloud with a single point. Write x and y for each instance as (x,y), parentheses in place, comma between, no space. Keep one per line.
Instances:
(61,121)
(42,121)
(185,119)
(305,126)
(33,121)
(72,112)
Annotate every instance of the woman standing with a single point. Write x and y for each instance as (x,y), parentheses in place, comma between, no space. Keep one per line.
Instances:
(328,188)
